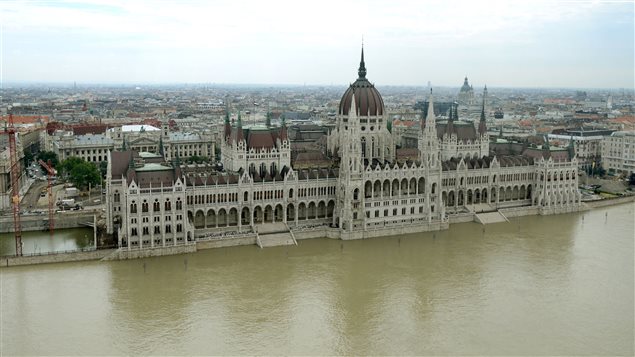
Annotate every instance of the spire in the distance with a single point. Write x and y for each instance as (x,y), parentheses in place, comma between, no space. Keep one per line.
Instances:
(362,66)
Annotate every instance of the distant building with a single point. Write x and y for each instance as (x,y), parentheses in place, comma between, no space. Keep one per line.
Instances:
(466,94)
(587,144)
(142,138)
(92,148)
(186,145)
(618,152)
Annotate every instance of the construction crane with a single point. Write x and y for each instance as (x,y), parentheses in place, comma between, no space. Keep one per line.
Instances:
(50,172)
(9,129)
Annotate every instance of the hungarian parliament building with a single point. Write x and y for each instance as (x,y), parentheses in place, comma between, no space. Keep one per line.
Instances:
(365,191)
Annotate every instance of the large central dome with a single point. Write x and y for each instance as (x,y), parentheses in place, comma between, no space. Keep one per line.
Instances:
(367,99)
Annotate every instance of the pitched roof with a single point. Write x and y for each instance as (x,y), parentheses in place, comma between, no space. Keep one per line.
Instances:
(463,130)
(120,160)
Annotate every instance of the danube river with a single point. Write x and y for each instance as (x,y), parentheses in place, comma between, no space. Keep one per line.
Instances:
(40,242)
(555,285)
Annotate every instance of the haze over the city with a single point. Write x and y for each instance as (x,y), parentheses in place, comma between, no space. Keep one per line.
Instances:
(499,43)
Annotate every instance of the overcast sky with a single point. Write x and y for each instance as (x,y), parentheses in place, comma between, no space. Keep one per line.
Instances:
(498,43)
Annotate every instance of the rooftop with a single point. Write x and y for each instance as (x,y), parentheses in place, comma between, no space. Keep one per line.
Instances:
(137,128)
(92,139)
(153,167)
(184,137)
(148,155)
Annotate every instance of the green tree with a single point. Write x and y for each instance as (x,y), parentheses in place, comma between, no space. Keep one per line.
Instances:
(103,168)
(28,156)
(84,174)
(389,125)
(49,155)
(69,164)
(196,159)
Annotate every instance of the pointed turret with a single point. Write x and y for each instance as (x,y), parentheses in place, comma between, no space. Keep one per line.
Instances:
(450,127)
(546,148)
(571,148)
(228,128)
(362,66)
(283,129)
(239,129)
(428,141)
(482,128)
(430,118)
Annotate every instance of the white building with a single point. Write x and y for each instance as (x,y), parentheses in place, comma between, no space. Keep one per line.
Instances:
(136,137)
(186,145)
(587,145)
(618,152)
(90,147)
(364,192)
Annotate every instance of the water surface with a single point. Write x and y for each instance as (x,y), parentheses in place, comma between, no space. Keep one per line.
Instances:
(555,285)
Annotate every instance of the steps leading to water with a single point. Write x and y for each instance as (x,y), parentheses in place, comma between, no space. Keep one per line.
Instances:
(276,239)
(490,217)
(274,234)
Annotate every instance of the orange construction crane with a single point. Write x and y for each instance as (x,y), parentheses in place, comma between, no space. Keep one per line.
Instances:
(9,129)
(50,172)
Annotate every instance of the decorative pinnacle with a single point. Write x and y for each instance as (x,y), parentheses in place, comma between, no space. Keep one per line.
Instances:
(362,66)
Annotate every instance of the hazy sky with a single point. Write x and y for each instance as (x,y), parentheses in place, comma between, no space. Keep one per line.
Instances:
(498,43)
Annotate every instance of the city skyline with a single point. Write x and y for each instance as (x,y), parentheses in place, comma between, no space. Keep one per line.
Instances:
(506,44)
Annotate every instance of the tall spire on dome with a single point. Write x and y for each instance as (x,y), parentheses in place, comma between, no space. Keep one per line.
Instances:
(362,66)
(482,128)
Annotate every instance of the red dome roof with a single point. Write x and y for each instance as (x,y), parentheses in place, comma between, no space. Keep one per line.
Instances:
(367,98)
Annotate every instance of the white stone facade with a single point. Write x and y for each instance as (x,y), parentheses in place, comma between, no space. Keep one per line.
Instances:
(370,194)
(618,152)
(186,145)
(90,147)
(237,154)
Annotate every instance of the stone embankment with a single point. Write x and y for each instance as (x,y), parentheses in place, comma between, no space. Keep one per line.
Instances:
(39,222)
(610,201)
(60,257)
(298,233)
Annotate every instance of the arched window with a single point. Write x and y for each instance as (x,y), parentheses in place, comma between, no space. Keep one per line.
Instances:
(156,206)
(133,207)
(168,205)
(179,204)
(144,206)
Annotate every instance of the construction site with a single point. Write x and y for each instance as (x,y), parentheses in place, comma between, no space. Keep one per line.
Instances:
(33,199)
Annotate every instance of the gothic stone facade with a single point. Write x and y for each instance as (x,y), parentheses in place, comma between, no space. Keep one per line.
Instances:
(365,194)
